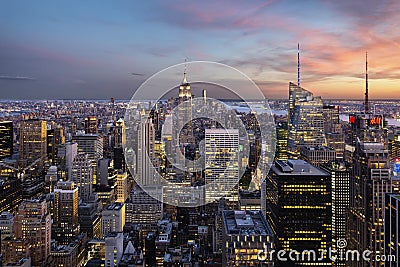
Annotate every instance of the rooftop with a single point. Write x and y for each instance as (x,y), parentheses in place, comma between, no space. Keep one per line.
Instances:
(296,167)
(245,222)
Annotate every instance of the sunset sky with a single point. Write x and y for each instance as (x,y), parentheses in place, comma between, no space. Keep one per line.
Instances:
(102,49)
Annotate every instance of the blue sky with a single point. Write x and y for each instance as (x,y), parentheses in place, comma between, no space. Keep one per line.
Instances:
(89,49)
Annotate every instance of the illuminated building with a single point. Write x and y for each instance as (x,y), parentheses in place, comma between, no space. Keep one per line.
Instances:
(91,144)
(367,127)
(143,209)
(33,223)
(113,218)
(317,155)
(370,181)
(72,254)
(6,139)
(10,194)
(122,187)
(82,175)
(221,164)
(245,234)
(249,200)
(333,130)
(114,248)
(55,137)
(298,207)
(340,198)
(33,143)
(394,146)
(120,140)
(392,228)
(89,217)
(6,225)
(51,179)
(91,125)
(281,141)
(305,120)
(145,147)
(65,222)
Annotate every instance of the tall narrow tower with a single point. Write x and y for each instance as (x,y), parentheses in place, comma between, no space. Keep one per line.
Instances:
(298,64)
(366,104)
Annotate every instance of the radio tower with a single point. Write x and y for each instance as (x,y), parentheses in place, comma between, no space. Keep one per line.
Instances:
(366,104)
(298,64)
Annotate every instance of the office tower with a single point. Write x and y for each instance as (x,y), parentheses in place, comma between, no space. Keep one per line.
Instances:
(6,139)
(6,225)
(184,115)
(370,181)
(145,147)
(65,221)
(10,194)
(82,175)
(340,174)
(221,164)
(305,120)
(114,247)
(90,217)
(102,173)
(392,228)
(120,140)
(317,155)
(122,186)
(113,218)
(333,130)
(55,137)
(91,125)
(245,234)
(281,141)
(298,207)
(394,145)
(33,145)
(51,179)
(33,223)
(91,144)
(144,209)
(65,156)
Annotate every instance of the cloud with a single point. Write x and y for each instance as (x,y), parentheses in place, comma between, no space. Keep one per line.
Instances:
(137,74)
(17,78)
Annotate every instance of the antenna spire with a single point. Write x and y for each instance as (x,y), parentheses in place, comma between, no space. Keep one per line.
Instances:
(184,74)
(298,64)
(366,104)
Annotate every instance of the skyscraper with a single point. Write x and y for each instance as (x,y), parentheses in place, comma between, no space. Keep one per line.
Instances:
(91,144)
(221,164)
(65,222)
(340,198)
(113,218)
(122,187)
(298,207)
(33,223)
(91,125)
(392,229)
(55,137)
(82,175)
(305,120)
(33,143)
(6,139)
(120,139)
(145,147)
(370,181)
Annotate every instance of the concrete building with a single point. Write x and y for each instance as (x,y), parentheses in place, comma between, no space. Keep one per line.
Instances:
(65,221)
(82,175)
(317,155)
(33,224)
(245,234)
(392,228)
(114,248)
(113,218)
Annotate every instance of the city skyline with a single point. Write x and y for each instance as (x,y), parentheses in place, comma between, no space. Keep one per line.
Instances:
(101,50)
